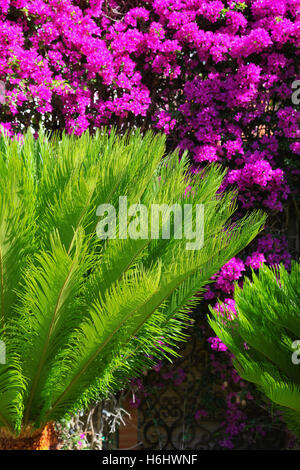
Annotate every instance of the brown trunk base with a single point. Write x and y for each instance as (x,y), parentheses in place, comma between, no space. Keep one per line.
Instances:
(41,439)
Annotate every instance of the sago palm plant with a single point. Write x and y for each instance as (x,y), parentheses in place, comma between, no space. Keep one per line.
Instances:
(80,314)
(265,337)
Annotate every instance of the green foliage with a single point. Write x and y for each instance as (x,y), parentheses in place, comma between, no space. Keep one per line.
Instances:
(80,315)
(263,334)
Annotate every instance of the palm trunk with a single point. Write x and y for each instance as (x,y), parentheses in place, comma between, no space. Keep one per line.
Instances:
(45,438)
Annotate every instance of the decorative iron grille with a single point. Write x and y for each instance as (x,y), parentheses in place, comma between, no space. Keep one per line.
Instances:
(167,413)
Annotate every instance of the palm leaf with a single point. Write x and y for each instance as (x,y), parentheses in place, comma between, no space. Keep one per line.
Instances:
(268,320)
(81,315)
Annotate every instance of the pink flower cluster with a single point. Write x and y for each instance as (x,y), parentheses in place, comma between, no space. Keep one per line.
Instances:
(275,250)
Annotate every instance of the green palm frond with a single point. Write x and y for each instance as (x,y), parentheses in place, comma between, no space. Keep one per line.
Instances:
(81,315)
(268,322)
(12,387)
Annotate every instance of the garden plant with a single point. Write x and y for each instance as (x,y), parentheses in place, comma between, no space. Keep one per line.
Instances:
(264,337)
(220,78)
(79,314)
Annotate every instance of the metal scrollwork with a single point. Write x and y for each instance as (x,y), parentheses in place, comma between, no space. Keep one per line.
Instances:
(167,413)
